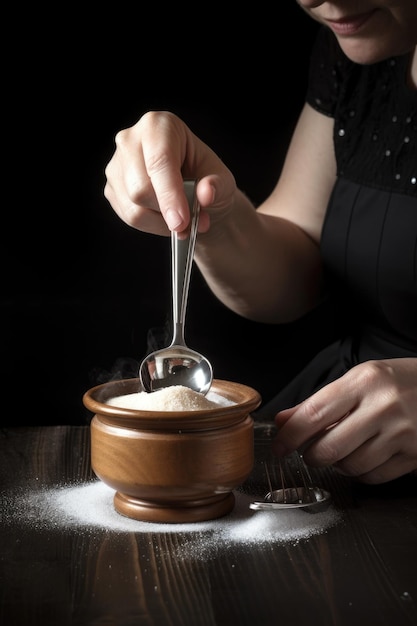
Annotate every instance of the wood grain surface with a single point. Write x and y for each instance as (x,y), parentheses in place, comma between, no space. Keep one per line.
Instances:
(363,570)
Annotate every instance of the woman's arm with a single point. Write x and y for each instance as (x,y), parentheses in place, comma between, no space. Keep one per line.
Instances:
(263,264)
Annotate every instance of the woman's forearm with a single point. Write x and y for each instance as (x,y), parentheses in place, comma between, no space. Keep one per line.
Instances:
(260,266)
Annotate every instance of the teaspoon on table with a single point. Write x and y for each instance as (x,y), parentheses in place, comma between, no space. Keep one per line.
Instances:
(313,499)
(306,495)
(177,364)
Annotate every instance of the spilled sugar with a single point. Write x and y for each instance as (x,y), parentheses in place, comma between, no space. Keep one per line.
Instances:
(89,506)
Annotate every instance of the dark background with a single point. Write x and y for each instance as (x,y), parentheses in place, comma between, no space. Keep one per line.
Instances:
(81,291)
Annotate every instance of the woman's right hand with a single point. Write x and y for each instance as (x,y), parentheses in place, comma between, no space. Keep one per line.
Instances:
(146,172)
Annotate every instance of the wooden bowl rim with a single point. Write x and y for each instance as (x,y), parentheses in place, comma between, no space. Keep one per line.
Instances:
(245,398)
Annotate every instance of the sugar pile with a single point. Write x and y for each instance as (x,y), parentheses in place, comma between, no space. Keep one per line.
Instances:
(174,398)
(89,506)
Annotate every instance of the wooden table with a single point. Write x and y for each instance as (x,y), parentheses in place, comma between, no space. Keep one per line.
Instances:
(361,570)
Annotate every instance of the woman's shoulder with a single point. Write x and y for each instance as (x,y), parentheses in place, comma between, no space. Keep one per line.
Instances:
(328,69)
(334,79)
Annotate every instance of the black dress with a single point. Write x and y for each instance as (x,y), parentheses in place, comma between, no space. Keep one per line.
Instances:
(369,237)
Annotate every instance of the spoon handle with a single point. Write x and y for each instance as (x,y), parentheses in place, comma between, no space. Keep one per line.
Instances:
(182,251)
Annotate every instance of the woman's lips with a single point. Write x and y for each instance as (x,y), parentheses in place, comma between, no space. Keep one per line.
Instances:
(349,25)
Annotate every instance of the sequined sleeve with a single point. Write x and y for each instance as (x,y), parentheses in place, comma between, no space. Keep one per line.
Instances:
(375,115)
(327,66)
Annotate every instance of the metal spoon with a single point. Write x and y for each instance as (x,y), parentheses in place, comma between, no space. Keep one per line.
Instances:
(312,499)
(177,364)
(305,495)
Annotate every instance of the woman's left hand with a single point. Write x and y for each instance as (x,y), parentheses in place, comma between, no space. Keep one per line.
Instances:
(364,423)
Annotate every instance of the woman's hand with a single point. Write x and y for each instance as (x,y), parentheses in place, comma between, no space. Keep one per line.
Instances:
(364,424)
(145,175)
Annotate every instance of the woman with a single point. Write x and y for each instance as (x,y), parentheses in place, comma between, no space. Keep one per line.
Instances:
(342,220)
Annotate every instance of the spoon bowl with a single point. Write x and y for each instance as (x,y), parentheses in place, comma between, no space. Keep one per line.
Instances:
(177,364)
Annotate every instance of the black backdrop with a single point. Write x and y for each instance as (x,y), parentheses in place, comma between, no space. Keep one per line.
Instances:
(81,292)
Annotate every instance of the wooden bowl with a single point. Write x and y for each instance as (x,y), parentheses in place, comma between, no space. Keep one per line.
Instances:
(169,466)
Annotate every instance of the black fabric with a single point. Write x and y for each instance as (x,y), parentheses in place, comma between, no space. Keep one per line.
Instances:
(369,237)
(369,245)
(375,113)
